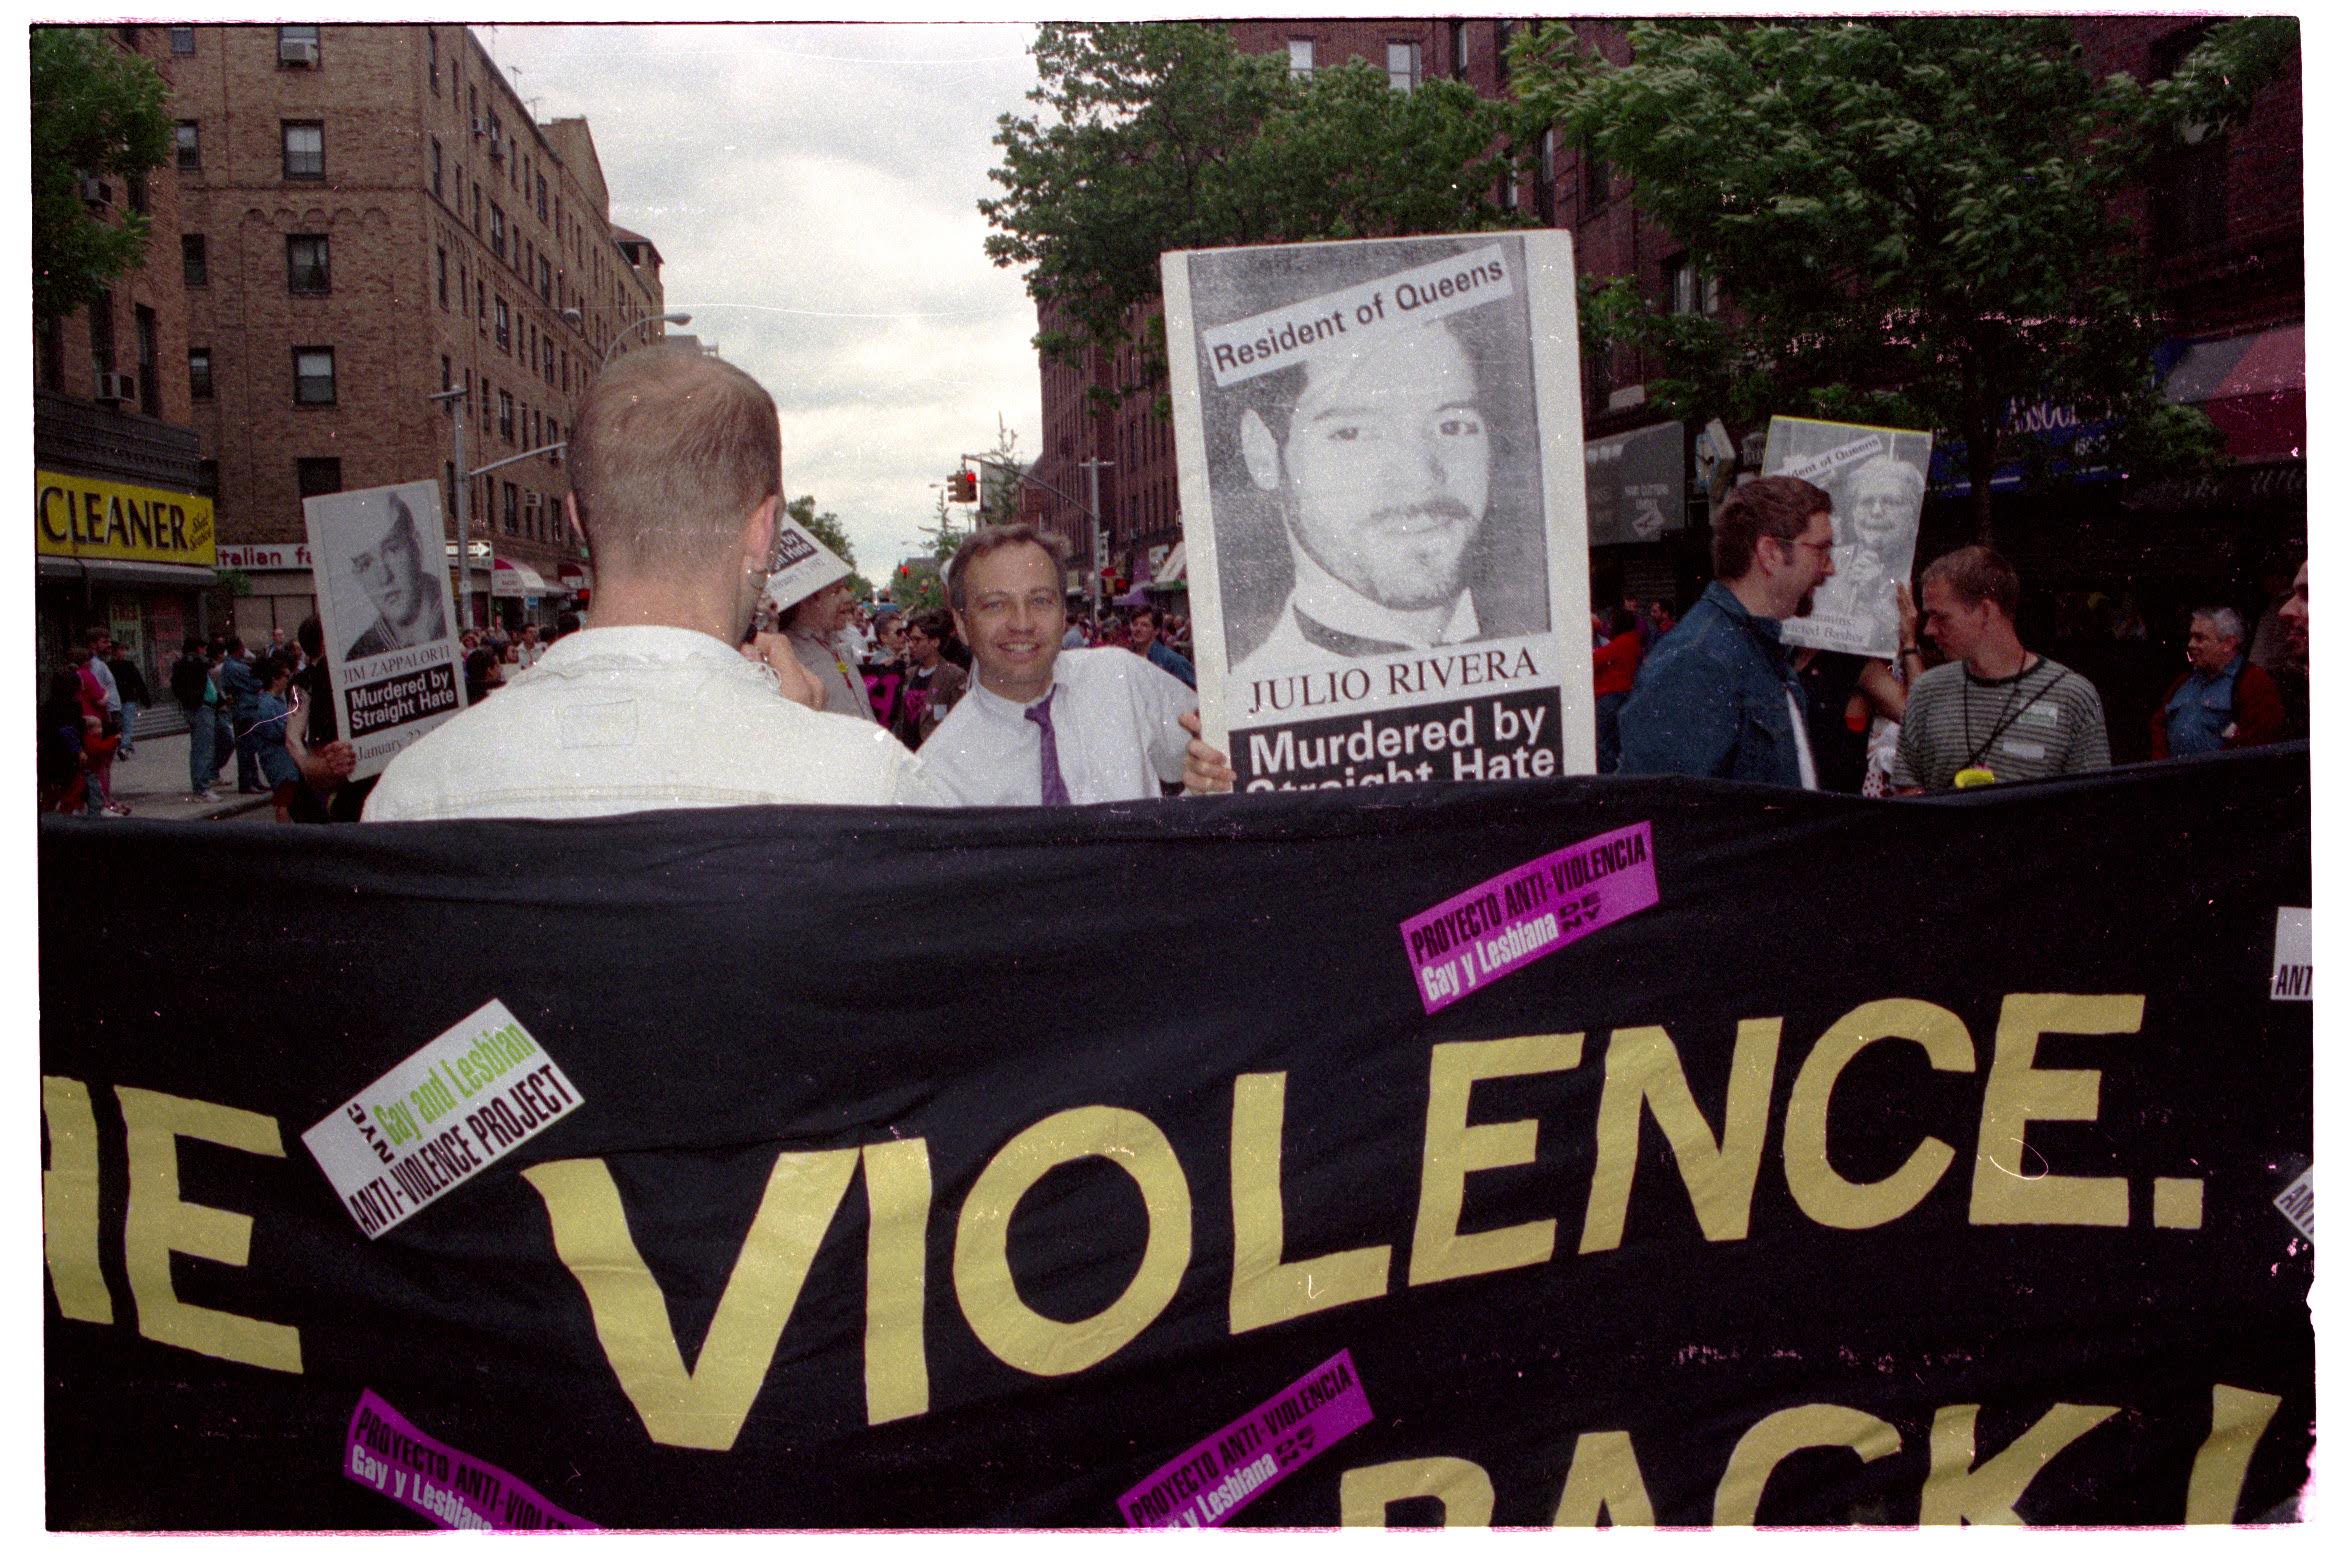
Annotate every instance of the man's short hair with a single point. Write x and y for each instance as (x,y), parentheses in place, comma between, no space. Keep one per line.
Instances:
(991,539)
(935,624)
(1975,574)
(567,623)
(2225,622)
(1904,476)
(1777,507)
(91,636)
(311,636)
(670,452)
(1148,613)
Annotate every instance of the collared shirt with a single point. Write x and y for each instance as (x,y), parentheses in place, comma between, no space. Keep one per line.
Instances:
(825,659)
(1328,603)
(1718,696)
(1117,735)
(630,719)
(105,679)
(2200,710)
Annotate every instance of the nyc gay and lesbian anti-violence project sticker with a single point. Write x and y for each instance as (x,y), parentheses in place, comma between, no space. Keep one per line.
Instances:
(1508,922)
(439,1118)
(1218,1476)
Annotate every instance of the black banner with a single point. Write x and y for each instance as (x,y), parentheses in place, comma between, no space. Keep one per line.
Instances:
(1842,1163)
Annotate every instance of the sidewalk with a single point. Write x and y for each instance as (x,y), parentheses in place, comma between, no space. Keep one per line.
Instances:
(154,785)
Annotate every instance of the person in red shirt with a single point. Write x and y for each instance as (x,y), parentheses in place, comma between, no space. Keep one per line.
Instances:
(1614,664)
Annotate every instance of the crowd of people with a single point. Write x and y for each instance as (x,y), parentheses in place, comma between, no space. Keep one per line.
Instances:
(1964,702)
(691,689)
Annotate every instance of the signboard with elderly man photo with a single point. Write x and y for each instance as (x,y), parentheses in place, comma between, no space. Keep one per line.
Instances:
(1876,484)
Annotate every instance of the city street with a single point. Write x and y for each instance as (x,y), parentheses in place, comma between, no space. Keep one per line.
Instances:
(153,784)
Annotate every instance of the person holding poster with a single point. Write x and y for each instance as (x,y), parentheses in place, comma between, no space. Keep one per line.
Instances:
(1718,696)
(674,481)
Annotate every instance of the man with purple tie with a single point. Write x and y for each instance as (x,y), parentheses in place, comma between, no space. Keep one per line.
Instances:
(1042,726)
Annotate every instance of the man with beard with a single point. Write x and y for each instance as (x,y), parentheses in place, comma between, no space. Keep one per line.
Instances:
(1382,475)
(404,589)
(1719,696)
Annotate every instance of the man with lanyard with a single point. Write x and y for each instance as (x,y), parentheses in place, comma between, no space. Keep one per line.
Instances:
(1718,696)
(1995,711)
(1046,726)
(2223,701)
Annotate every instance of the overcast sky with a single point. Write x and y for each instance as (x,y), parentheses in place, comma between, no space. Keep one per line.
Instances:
(812,190)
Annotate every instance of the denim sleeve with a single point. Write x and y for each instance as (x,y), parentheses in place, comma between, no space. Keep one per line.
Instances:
(1683,719)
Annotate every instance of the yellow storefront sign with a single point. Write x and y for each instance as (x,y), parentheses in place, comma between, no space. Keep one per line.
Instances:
(82,517)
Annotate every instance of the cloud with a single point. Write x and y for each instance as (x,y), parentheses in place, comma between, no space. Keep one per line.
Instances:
(812,190)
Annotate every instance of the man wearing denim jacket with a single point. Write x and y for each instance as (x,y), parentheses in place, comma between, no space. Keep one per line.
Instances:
(1718,696)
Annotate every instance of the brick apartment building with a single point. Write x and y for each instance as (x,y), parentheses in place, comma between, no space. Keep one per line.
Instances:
(368,215)
(113,436)
(2223,222)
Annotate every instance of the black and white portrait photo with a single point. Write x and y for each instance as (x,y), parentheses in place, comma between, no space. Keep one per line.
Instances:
(1379,488)
(1875,479)
(389,578)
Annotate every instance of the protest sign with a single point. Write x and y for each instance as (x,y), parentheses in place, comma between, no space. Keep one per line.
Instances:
(800,564)
(1740,1202)
(1381,474)
(388,615)
(1876,484)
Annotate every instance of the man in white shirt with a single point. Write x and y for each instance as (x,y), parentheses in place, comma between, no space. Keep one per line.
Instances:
(1046,726)
(675,474)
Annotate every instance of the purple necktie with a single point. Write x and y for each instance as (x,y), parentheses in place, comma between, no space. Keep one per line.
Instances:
(1052,791)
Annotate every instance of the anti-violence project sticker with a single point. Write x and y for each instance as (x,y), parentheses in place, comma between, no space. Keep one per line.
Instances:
(384,1451)
(1508,922)
(439,1118)
(1218,1476)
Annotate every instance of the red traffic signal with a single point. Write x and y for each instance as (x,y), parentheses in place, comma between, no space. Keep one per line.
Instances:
(962,487)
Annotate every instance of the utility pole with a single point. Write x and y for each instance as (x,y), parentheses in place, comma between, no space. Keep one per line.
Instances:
(1097,516)
(459,399)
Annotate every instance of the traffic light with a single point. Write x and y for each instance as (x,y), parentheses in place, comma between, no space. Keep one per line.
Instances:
(962,487)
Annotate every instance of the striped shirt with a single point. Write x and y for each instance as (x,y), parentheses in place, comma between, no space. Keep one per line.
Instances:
(2044,721)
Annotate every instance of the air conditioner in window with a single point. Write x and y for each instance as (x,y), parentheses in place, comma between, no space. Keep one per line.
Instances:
(296,51)
(96,192)
(533,503)
(117,387)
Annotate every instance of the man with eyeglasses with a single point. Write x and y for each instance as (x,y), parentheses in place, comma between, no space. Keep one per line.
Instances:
(675,478)
(1718,696)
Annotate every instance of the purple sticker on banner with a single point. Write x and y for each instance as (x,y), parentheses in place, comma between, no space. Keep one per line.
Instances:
(455,1490)
(1509,922)
(1220,1475)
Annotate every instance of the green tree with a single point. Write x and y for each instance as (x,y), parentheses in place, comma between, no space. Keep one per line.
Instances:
(97,112)
(1913,218)
(830,531)
(1164,135)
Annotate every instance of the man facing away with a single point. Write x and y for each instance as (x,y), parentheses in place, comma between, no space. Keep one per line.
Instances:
(1045,726)
(2222,701)
(675,474)
(1994,711)
(1718,696)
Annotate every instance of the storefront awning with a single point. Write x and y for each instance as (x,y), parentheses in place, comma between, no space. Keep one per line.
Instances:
(116,571)
(2253,387)
(518,579)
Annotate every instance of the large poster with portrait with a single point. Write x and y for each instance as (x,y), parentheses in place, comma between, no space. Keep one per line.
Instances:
(388,615)
(1381,469)
(1876,484)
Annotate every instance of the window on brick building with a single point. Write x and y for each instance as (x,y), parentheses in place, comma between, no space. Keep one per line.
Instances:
(308,265)
(53,355)
(1302,52)
(313,376)
(137,186)
(317,475)
(511,509)
(442,276)
(459,192)
(1458,45)
(1405,66)
(1596,180)
(503,324)
(304,149)
(564,368)
(540,191)
(475,205)
(1502,45)
(207,478)
(483,314)
(194,262)
(149,392)
(544,278)
(432,35)
(447,380)
(298,45)
(187,141)
(438,170)
(199,373)
(496,229)
(101,334)
(182,40)
(504,414)
(1688,292)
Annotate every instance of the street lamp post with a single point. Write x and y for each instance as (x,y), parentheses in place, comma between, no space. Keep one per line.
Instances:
(678,318)
(462,537)
(459,397)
